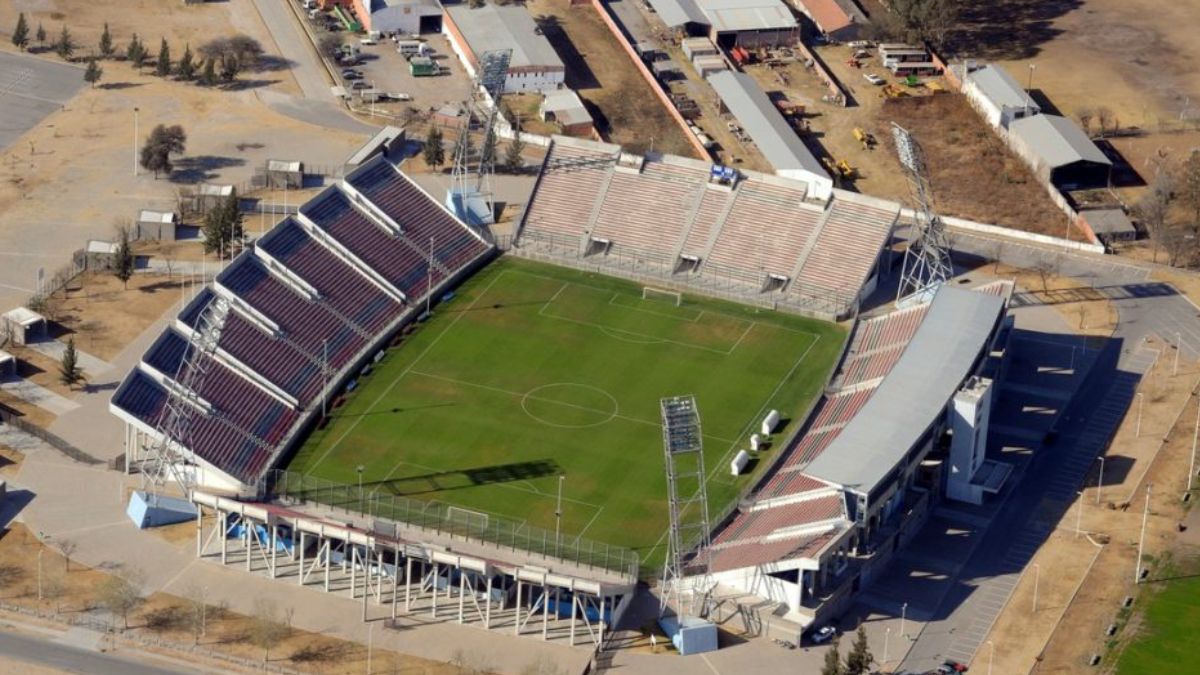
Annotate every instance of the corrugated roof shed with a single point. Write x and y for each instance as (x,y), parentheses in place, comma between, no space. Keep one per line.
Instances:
(492,27)
(1057,140)
(827,14)
(1000,88)
(937,360)
(676,13)
(758,116)
(566,106)
(743,15)
(1111,222)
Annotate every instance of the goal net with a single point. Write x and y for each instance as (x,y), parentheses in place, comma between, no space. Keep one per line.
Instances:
(466,520)
(662,295)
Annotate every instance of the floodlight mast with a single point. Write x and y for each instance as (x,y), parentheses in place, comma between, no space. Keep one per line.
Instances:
(488,83)
(927,260)
(171,452)
(687,502)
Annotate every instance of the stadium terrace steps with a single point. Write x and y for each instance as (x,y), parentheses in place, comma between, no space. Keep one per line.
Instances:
(277,334)
(662,208)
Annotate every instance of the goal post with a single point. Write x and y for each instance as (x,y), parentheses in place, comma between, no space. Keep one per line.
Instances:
(472,521)
(662,295)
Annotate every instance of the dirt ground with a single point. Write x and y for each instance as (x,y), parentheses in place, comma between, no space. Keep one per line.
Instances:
(623,107)
(974,175)
(165,617)
(1060,638)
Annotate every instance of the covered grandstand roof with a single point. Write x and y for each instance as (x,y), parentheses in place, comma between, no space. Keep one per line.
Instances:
(760,118)
(940,356)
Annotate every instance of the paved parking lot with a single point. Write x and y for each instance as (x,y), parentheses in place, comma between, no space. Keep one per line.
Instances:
(386,70)
(31,89)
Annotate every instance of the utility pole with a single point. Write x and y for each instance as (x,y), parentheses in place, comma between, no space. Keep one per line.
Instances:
(1137,573)
(1178,348)
(1078,513)
(1029,89)
(135,142)
(903,613)
(1100,479)
(1036,574)
(1141,399)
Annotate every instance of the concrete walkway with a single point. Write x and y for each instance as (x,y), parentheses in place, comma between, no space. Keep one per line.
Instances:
(38,395)
(92,366)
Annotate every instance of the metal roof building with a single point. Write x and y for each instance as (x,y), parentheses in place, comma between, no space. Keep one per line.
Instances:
(1059,151)
(534,66)
(749,23)
(998,96)
(775,138)
(942,354)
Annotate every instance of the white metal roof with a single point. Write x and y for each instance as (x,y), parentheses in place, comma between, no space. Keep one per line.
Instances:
(1000,88)
(744,15)
(566,106)
(758,116)
(288,165)
(24,316)
(493,27)
(149,216)
(939,358)
(211,190)
(1057,140)
(676,13)
(98,246)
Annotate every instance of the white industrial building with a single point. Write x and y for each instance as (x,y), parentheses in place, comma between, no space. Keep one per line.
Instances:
(534,66)
(741,96)
(733,23)
(997,96)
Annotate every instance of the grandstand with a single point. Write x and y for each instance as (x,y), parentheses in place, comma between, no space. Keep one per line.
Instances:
(312,302)
(859,478)
(752,237)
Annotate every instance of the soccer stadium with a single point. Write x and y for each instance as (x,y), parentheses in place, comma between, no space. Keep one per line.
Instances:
(386,400)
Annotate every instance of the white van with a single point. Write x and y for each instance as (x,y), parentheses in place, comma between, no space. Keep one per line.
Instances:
(409,48)
(367,42)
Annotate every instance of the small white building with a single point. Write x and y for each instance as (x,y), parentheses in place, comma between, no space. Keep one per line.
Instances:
(534,66)
(158,225)
(23,325)
(970,474)
(565,108)
(997,96)
(285,173)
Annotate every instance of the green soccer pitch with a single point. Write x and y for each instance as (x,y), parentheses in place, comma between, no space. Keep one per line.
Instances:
(533,371)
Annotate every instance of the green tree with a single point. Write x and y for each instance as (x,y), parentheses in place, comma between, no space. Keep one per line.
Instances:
(125,262)
(833,661)
(41,35)
(860,658)
(68,367)
(136,52)
(162,67)
(20,35)
(65,46)
(186,69)
(106,43)
(163,142)
(208,76)
(513,162)
(435,154)
(223,225)
(93,73)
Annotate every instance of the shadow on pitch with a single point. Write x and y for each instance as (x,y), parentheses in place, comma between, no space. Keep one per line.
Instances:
(458,479)
(392,411)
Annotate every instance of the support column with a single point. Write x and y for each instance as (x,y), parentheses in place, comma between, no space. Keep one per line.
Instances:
(574,611)
(520,610)
(353,579)
(434,578)
(462,596)
(395,581)
(199,527)
(407,585)
(223,522)
(545,611)
(487,610)
(301,551)
(274,547)
(600,623)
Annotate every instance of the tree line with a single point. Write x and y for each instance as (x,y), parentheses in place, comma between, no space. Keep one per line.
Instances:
(217,61)
(1170,210)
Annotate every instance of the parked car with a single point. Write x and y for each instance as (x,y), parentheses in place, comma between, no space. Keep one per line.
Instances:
(359,84)
(822,634)
(951,667)
(873,78)
(351,74)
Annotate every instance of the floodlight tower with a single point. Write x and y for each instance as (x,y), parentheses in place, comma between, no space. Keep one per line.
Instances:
(927,260)
(166,458)
(687,502)
(489,79)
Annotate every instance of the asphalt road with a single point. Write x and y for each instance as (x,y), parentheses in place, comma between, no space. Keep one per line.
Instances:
(48,653)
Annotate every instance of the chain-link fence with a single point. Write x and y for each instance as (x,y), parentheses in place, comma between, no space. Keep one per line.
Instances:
(446,519)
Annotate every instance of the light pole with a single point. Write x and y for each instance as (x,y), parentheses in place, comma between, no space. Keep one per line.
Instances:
(1078,513)
(1137,572)
(41,550)
(135,142)
(1100,479)
(903,614)
(1029,90)
(1141,399)
(359,469)
(1036,574)
(1178,348)
(558,516)
(991,655)
(1192,465)
(887,637)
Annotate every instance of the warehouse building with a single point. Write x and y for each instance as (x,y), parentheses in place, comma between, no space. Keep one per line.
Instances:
(1059,152)
(997,96)
(535,66)
(730,23)
(741,96)
(408,17)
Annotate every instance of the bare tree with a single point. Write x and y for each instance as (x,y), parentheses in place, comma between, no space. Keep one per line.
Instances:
(1153,210)
(542,665)
(1107,120)
(1189,185)
(67,548)
(266,627)
(121,595)
(54,587)
(1046,268)
(196,611)
(1085,116)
